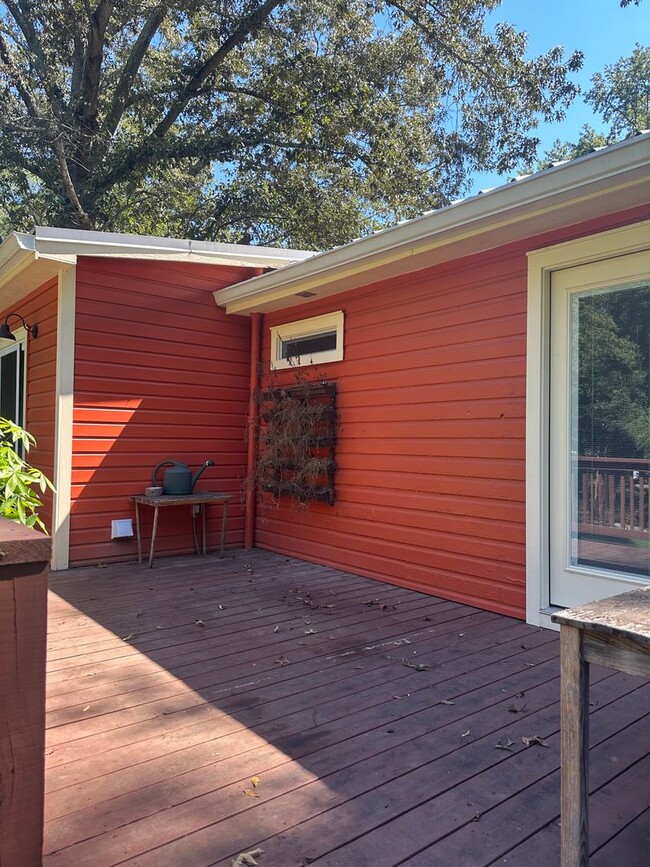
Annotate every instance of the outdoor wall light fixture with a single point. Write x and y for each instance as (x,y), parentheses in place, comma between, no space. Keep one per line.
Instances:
(5,331)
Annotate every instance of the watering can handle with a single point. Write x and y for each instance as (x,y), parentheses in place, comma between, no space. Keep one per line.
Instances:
(162,464)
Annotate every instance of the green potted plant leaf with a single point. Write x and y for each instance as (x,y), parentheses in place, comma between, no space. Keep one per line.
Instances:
(19,500)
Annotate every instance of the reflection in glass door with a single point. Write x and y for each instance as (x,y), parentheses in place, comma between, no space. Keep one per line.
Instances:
(600,431)
(610,429)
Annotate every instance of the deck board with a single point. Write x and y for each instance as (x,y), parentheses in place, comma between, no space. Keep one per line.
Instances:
(370,714)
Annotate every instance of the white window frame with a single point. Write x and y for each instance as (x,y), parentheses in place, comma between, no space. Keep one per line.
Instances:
(21,339)
(307,328)
(541,264)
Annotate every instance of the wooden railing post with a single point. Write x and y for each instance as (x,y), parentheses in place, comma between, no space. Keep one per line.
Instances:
(24,560)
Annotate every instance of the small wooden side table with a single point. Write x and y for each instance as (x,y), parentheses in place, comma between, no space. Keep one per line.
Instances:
(165,501)
(614,632)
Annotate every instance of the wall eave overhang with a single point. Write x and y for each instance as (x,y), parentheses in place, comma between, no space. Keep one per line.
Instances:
(27,261)
(612,180)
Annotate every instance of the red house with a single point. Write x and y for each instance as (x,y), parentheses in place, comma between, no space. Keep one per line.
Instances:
(132,363)
(489,363)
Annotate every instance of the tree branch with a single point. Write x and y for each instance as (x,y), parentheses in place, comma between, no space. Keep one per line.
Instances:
(98,21)
(20,85)
(131,67)
(247,27)
(23,18)
(55,142)
(68,185)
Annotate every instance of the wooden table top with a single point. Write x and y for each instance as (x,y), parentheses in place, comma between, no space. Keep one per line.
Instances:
(626,614)
(182,499)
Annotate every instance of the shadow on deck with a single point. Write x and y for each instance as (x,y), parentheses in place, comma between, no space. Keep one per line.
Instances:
(207,707)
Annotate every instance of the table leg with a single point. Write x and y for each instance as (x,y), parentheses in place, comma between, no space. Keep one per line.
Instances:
(204,507)
(153,535)
(223,529)
(574,772)
(137,532)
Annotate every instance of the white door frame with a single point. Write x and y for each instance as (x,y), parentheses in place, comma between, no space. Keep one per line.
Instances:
(541,263)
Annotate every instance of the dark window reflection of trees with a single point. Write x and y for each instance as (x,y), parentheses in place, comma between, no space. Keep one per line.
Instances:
(614,374)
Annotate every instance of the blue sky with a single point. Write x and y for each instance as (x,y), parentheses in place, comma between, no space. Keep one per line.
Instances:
(599,28)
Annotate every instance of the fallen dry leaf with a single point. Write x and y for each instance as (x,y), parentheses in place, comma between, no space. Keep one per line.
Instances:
(310,632)
(444,701)
(504,744)
(86,708)
(276,628)
(129,636)
(418,666)
(199,623)
(282,660)
(139,614)
(255,782)
(330,637)
(512,708)
(247,859)
(251,793)
(529,740)
(466,734)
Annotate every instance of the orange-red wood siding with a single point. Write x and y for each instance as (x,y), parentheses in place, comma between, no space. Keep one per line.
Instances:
(160,372)
(430,484)
(40,308)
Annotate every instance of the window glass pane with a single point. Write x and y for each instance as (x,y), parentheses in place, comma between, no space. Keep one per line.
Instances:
(306,346)
(610,429)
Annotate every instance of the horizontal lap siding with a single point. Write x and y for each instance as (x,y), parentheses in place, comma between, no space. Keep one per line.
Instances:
(40,308)
(430,458)
(160,372)
(430,484)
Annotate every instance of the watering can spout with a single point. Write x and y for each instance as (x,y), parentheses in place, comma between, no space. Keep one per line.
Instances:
(195,477)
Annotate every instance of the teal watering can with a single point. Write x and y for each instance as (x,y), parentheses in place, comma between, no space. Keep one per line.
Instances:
(178,479)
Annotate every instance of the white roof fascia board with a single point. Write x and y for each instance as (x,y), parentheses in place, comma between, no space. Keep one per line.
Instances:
(15,250)
(41,255)
(58,242)
(623,167)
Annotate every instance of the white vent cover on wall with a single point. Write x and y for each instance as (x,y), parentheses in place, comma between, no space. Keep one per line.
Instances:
(122,528)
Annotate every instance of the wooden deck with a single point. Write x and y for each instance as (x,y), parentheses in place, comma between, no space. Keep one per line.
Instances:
(208,707)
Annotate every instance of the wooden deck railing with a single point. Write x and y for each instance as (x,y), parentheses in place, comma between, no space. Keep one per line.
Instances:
(614,495)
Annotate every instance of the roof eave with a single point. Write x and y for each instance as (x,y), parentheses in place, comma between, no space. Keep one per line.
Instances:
(511,212)
(57,242)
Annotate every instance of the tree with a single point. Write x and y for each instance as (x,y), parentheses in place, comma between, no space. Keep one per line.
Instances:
(280,121)
(621,96)
(614,373)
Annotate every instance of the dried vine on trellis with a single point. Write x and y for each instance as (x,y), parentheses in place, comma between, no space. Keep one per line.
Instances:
(296,440)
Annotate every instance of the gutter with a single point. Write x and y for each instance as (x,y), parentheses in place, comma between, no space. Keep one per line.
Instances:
(53,242)
(618,167)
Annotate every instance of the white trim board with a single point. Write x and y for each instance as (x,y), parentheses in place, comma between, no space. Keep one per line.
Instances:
(541,263)
(64,407)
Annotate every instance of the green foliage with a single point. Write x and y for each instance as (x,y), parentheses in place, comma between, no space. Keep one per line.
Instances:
(304,122)
(621,96)
(614,373)
(18,500)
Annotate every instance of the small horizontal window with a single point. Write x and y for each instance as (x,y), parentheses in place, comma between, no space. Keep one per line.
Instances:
(309,341)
